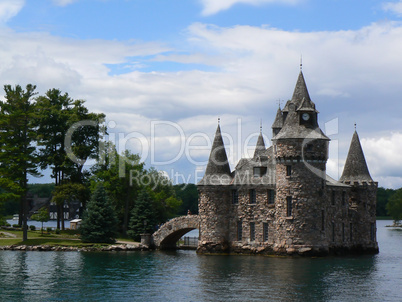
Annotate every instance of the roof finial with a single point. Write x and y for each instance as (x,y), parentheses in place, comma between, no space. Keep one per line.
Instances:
(260,126)
(219,120)
(355,126)
(279,103)
(301,62)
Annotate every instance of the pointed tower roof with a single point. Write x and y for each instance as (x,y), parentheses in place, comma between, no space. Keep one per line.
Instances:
(300,91)
(218,169)
(278,123)
(260,146)
(355,167)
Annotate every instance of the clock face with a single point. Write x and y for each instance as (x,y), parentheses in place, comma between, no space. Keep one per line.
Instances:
(306,116)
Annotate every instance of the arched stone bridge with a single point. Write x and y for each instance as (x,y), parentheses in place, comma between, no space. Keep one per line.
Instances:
(170,232)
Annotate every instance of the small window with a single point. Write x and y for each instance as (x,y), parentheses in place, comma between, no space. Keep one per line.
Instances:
(333,198)
(259,171)
(240,230)
(235,197)
(265,231)
(289,206)
(252,196)
(271,196)
(252,231)
(309,147)
(288,170)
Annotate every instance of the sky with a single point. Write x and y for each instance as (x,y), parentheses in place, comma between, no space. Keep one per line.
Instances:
(164,72)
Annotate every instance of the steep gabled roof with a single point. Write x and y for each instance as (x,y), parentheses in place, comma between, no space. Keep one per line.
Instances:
(355,166)
(218,169)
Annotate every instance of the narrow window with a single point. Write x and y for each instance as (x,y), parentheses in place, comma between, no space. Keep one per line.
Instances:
(322,220)
(333,198)
(333,231)
(265,231)
(271,196)
(235,197)
(252,231)
(343,198)
(252,196)
(239,230)
(372,231)
(289,206)
(351,232)
(288,170)
(343,232)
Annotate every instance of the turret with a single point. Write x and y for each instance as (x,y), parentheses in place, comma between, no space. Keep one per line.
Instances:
(301,153)
(363,196)
(214,199)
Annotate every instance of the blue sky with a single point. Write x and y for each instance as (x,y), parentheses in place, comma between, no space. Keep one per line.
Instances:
(163,69)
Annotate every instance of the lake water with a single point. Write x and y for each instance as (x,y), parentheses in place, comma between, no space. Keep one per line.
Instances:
(185,276)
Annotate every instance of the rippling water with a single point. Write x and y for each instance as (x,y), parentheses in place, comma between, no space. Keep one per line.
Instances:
(184,276)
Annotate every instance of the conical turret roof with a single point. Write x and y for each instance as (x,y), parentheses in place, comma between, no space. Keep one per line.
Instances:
(355,167)
(300,91)
(260,146)
(278,123)
(218,164)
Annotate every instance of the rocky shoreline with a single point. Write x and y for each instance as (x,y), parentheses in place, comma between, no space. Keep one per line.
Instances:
(52,248)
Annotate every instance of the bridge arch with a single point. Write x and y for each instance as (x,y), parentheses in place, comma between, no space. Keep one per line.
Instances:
(170,232)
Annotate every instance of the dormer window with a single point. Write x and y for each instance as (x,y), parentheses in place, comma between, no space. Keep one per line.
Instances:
(259,171)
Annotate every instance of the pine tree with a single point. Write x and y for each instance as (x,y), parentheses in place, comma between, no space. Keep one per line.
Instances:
(99,223)
(18,158)
(143,216)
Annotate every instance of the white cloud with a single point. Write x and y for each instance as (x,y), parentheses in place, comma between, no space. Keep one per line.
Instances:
(214,6)
(9,9)
(384,156)
(354,75)
(395,7)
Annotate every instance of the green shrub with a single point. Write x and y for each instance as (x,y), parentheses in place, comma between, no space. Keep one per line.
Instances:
(16,226)
(32,227)
(57,231)
(49,229)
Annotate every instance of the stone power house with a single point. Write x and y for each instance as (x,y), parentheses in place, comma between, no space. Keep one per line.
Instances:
(281,201)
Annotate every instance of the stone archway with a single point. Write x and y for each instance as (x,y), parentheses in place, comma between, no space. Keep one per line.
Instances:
(170,232)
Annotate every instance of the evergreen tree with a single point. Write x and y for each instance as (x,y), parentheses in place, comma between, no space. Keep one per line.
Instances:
(143,216)
(99,223)
(18,158)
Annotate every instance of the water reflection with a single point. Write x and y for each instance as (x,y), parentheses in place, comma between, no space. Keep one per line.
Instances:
(283,279)
(185,276)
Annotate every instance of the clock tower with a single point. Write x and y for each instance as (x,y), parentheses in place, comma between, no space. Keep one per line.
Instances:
(301,153)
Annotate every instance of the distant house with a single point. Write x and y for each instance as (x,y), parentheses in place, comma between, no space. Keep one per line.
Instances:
(75,224)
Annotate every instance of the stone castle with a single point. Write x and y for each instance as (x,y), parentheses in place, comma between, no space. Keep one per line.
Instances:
(281,201)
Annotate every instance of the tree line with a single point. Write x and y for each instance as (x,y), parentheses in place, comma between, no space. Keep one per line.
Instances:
(54,131)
